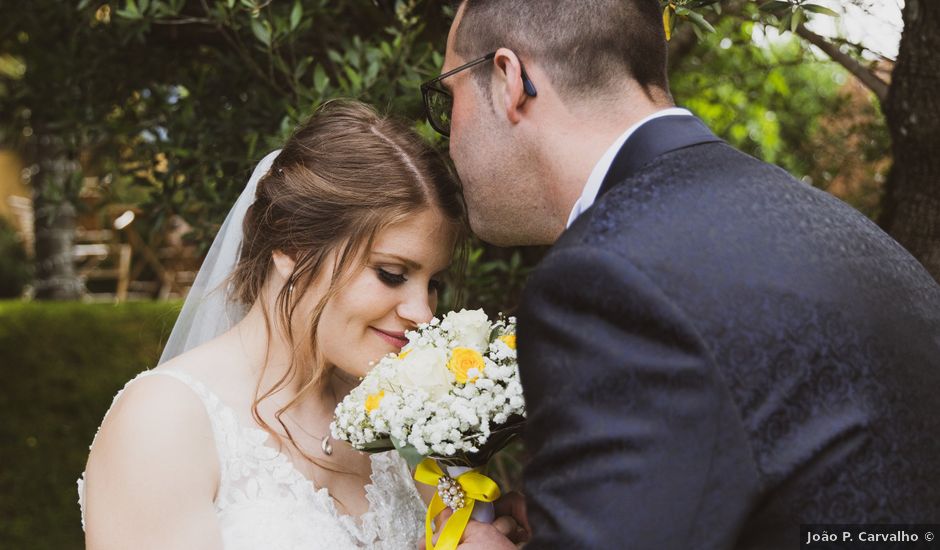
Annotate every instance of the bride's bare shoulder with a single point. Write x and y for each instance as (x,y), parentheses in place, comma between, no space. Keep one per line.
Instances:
(155,444)
(154,456)
(154,416)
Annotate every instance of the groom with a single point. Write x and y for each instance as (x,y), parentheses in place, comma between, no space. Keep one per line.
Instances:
(713,353)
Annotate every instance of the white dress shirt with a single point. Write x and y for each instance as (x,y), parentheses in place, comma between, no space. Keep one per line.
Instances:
(593,185)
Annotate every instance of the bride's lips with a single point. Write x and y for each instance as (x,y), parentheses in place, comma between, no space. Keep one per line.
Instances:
(396,339)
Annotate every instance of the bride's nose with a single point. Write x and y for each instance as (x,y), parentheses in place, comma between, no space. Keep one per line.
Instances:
(415,306)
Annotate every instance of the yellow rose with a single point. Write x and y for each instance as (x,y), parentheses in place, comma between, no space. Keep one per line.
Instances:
(372,402)
(509,340)
(463,361)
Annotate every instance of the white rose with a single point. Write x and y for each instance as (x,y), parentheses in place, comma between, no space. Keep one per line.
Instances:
(472,329)
(426,369)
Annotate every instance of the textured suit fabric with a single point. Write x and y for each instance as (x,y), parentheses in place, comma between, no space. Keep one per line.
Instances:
(715,353)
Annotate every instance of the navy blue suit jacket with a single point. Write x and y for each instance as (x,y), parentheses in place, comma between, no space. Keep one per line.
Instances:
(715,353)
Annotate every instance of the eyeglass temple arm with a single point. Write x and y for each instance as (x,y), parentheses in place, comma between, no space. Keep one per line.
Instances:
(527,83)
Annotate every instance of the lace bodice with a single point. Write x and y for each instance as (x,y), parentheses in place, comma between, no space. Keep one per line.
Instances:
(264,502)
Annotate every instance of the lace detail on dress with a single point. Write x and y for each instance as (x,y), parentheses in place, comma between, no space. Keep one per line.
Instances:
(265,502)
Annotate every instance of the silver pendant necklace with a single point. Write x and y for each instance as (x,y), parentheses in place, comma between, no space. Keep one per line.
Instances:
(325,444)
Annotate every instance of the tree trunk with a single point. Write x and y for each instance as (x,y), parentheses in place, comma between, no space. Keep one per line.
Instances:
(54,224)
(911,205)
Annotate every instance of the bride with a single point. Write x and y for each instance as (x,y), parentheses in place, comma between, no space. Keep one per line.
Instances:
(335,248)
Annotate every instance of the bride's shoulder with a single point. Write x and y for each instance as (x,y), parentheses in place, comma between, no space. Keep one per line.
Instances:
(154,414)
(154,444)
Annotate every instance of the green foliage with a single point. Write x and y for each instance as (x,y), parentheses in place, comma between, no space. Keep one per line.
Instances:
(692,11)
(58,94)
(245,73)
(790,15)
(207,88)
(772,97)
(495,277)
(61,364)
(766,99)
(787,15)
(15,268)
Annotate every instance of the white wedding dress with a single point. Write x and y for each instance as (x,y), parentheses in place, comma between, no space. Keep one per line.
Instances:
(265,503)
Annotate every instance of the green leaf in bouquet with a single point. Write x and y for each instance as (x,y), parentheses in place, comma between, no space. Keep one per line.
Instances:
(408,452)
(379,446)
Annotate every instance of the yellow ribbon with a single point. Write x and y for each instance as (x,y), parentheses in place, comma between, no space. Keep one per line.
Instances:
(476,486)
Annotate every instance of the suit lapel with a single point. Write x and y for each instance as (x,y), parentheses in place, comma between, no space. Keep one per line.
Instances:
(653,139)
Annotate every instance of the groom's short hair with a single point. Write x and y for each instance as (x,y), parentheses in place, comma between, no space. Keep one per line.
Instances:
(584,45)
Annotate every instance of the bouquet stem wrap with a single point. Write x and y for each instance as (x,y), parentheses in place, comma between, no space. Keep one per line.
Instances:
(475,485)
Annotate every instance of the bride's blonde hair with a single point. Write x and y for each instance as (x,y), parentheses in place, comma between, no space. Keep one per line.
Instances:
(342,177)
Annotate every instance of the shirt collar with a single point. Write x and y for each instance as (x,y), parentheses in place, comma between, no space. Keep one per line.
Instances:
(593,185)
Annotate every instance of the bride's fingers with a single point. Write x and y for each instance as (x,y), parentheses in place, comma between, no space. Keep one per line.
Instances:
(439,522)
(441,519)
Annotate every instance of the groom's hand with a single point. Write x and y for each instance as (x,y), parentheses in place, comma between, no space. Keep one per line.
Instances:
(489,536)
(513,505)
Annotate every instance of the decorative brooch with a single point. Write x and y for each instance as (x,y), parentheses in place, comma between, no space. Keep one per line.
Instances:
(451,493)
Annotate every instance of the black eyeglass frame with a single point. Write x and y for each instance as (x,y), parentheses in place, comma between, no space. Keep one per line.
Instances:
(433,85)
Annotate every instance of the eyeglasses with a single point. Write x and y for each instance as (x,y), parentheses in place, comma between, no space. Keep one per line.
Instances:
(438,101)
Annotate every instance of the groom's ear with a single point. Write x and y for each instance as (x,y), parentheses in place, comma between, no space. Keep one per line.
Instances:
(507,84)
(283,263)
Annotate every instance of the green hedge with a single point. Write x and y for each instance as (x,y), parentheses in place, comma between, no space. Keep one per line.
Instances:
(61,364)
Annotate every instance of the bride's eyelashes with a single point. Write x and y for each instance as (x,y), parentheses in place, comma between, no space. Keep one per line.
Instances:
(396,279)
(389,278)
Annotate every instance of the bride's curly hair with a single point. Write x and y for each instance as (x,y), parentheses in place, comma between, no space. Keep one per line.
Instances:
(343,176)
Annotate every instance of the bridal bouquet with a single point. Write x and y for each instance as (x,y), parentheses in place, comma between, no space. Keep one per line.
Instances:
(451,398)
